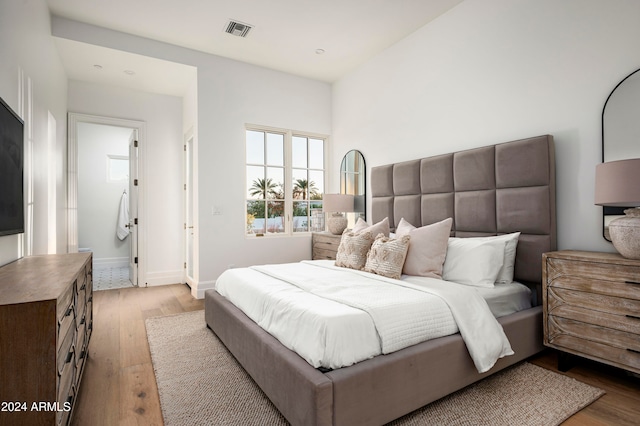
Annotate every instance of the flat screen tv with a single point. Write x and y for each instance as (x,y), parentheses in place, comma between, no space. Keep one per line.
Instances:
(11,171)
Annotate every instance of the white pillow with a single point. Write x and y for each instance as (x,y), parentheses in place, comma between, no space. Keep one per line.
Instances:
(473,262)
(505,276)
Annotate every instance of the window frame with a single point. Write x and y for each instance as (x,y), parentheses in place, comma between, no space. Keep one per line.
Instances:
(288,199)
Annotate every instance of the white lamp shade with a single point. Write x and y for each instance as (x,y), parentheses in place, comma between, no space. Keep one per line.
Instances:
(337,203)
(618,183)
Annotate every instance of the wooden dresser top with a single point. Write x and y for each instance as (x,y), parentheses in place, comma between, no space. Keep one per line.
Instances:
(21,281)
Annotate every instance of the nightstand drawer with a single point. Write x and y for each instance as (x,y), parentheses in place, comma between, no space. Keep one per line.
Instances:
(613,312)
(325,245)
(323,254)
(600,278)
(605,345)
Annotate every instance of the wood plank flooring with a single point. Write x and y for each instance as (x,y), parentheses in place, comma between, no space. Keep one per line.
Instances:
(119,387)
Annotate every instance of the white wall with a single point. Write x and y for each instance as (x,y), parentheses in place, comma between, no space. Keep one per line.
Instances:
(26,44)
(98,196)
(163,165)
(492,71)
(229,95)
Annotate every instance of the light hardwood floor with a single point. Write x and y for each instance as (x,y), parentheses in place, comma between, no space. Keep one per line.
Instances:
(119,387)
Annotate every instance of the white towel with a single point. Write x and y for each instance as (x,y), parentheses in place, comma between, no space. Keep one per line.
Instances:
(123,217)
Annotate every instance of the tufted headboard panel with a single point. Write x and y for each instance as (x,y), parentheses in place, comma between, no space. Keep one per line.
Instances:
(492,190)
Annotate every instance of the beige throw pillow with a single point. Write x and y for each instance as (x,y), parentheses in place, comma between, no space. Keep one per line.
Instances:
(387,256)
(375,229)
(427,248)
(353,249)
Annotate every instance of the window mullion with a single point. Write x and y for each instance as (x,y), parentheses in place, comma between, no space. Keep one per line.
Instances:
(288,179)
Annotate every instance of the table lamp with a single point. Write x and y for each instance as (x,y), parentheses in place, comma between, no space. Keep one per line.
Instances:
(618,185)
(336,204)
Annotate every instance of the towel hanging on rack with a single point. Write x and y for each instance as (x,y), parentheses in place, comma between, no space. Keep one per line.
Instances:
(122,229)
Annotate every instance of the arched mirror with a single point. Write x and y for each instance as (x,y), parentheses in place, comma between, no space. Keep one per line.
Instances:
(621,131)
(353,182)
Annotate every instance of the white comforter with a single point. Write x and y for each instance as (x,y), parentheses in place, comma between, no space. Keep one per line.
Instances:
(334,317)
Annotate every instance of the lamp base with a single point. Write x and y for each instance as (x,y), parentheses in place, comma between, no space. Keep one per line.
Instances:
(337,223)
(625,234)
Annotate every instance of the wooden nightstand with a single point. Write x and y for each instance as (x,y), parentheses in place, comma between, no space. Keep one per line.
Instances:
(324,245)
(591,306)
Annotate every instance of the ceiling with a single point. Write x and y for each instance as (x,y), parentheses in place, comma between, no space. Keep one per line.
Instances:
(286,34)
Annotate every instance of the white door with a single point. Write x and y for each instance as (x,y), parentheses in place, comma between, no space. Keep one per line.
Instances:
(133,207)
(189,226)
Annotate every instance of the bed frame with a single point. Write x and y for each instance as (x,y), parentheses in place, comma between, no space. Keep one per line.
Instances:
(487,191)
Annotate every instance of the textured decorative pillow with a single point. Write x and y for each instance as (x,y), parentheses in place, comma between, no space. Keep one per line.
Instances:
(427,248)
(380,227)
(473,262)
(387,256)
(353,249)
(505,276)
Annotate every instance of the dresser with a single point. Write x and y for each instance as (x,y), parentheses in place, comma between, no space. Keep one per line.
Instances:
(591,306)
(45,326)
(324,245)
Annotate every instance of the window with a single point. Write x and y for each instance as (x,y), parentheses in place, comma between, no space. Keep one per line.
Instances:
(117,168)
(284,182)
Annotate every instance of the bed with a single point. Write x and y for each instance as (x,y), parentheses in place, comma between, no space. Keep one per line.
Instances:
(493,190)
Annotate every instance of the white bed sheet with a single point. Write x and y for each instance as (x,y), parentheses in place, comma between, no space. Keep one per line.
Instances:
(328,333)
(503,299)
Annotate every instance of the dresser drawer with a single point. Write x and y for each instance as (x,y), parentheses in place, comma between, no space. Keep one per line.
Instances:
(66,393)
(65,324)
(65,301)
(65,352)
(66,376)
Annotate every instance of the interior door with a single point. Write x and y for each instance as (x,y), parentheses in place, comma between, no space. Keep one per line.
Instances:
(189,222)
(133,207)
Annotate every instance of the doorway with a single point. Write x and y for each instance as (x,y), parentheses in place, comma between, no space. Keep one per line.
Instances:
(104,195)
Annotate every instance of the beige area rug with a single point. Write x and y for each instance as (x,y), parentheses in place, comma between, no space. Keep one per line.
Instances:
(200,383)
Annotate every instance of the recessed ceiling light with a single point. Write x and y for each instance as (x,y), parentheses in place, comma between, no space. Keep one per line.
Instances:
(319,51)
(129,72)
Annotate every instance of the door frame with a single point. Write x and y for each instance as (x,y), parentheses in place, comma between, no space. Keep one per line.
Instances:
(72,181)
(190,211)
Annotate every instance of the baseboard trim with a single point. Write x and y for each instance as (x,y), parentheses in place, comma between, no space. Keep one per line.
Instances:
(110,262)
(163,278)
(201,287)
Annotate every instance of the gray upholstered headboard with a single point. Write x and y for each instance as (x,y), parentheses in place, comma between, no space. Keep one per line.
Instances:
(492,190)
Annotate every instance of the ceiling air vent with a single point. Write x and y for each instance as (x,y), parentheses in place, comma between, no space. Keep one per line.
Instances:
(238,28)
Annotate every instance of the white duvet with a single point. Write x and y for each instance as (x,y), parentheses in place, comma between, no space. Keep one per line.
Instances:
(334,317)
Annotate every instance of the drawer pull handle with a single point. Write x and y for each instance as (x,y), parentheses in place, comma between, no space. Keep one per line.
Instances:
(83,286)
(632,316)
(632,282)
(69,356)
(633,350)
(69,309)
